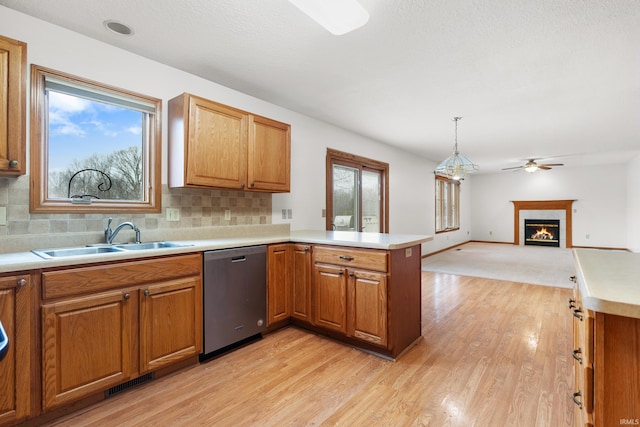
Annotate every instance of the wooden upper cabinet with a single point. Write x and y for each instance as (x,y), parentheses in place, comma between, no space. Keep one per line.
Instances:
(13,65)
(217,148)
(214,145)
(269,155)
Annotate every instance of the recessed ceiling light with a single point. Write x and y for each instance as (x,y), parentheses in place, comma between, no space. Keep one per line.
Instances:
(118,27)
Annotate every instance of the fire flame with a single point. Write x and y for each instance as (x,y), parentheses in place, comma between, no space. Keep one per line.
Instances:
(542,234)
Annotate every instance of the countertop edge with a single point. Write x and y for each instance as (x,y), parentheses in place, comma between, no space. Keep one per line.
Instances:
(589,285)
(21,262)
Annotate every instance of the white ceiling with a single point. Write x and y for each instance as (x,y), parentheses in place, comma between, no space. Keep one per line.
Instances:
(551,79)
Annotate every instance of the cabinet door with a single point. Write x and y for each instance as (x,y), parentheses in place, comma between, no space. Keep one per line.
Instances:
(15,368)
(87,345)
(269,161)
(13,64)
(301,282)
(170,322)
(368,306)
(278,283)
(330,285)
(217,145)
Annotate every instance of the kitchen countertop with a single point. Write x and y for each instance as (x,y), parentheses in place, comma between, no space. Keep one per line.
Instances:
(22,261)
(609,281)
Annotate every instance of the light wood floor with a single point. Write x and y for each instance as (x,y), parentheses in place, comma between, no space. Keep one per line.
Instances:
(492,354)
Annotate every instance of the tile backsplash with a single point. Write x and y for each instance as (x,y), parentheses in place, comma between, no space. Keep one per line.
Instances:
(197,207)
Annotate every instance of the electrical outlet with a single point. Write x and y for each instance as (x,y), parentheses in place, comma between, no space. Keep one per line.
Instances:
(227,214)
(3,215)
(173,214)
(324,213)
(284,214)
(587,236)
(289,213)
(490,233)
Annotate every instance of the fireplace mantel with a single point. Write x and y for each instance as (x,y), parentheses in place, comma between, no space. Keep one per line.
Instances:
(519,205)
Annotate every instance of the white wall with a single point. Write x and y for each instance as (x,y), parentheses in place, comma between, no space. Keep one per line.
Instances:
(411,178)
(633,204)
(600,210)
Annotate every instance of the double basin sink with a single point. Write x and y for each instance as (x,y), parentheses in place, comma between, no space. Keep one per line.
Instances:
(104,248)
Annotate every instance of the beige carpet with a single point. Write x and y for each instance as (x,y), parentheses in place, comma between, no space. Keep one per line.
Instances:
(536,265)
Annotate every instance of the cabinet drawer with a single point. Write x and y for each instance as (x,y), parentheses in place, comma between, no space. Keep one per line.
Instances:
(96,278)
(369,259)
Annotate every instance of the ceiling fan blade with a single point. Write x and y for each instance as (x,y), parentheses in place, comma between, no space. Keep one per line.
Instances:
(544,167)
(551,164)
(516,167)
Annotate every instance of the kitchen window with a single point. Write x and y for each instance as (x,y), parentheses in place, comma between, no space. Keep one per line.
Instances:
(94,148)
(357,193)
(447,204)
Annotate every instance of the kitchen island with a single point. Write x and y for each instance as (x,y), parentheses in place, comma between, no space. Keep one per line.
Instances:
(606,320)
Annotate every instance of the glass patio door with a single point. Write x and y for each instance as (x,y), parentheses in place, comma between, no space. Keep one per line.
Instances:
(356,199)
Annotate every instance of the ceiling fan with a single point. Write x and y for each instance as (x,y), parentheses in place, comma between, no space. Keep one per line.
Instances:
(532,166)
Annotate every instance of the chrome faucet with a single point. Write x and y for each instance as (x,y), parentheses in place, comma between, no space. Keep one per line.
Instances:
(109,234)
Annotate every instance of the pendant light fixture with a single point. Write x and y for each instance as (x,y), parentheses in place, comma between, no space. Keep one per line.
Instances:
(456,166)
(336,16)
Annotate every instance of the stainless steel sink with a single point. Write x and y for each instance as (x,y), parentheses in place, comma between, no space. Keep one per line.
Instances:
(150,245)
(78,251)
(103,249)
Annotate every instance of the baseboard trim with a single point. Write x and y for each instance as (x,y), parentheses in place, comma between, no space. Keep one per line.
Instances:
(444,249)
(602,248)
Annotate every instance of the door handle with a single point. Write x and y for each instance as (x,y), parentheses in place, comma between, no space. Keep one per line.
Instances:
(239,259)
(4,342)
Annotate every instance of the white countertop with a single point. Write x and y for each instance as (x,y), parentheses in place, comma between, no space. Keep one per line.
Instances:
(609,281)
(23,261)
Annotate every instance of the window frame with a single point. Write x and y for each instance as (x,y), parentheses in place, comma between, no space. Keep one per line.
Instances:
(38,197)
(446,209)
(360,163)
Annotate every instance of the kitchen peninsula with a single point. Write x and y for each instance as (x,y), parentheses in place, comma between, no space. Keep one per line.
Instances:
(359,288)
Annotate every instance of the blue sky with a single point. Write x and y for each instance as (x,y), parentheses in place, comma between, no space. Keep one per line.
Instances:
(79,128)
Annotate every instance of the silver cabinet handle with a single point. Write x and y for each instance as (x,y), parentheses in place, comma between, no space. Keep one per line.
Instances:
(22,282)
(575,353)
(576,395)
(127,296)
(146,292)
(346,258)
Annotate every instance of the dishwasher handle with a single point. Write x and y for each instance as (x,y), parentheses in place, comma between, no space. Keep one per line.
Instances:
(4,342)
(239,259)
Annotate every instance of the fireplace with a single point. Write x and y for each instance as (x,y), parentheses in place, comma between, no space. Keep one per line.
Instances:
(542,232)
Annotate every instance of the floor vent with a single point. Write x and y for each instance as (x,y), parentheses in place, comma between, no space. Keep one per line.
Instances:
(129,384)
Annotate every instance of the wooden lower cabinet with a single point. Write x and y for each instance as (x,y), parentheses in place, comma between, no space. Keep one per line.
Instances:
(582,355)
(288,282)
(301,282)
(607,367)
(349,298)
(367,297)
(93,341)
(330,297)
(15,368)
(367,302)
(278,283)
(170,322)
(88,345)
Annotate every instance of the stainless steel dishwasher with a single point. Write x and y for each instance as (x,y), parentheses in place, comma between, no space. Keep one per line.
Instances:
(234,296)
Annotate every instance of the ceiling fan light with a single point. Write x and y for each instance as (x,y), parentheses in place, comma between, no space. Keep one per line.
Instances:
(531,168)
(336,16)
